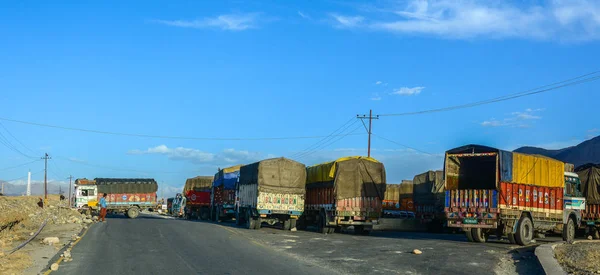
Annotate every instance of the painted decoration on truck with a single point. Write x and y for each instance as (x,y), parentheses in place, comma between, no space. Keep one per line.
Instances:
(275,201)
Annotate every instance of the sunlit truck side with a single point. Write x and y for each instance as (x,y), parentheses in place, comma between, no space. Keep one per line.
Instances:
(496,192)
(343,193)
(197,197)
(222,197)
(271,191)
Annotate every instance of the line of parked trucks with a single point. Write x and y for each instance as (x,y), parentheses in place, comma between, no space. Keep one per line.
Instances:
(482,191)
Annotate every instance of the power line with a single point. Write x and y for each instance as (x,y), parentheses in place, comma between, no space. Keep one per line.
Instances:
(534,91)
(316,148)
(6,142)
(24,146)
(325,139)
(330,143)
(121,169)
(406,146)
(153,136)
(20,165)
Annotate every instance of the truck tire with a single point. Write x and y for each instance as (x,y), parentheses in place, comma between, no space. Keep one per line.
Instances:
(524,233)
(250,222)
(469,235)
(301,224)
(321,228)
(569,231)
(204,214)
(511,238)
(359,229)
(257,223)
(479,235)
(287,224)
(133,212)
(218,214)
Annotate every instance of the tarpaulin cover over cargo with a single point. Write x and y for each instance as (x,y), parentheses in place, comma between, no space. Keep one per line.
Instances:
(200,183)
(476,167)
(589,175)
(392,192)
(427,185)
(118,185)
(227,177)
(406,189)
(277,175)
(84,181)
(351,177)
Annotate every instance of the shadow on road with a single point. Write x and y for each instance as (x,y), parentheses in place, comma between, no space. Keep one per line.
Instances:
(142,216)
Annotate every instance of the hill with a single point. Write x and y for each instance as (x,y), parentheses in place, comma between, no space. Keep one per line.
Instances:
(585,152)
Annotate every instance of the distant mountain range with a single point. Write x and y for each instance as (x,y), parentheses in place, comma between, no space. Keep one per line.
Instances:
(37,189)
(585,152)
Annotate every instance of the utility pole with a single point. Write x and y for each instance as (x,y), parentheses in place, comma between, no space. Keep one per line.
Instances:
(70,178)
(370,117)
(46,158)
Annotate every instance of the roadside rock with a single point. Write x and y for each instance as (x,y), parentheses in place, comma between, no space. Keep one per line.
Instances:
(54,267)
(94,218)
(51,240)
(294,229)
(87,221)
(67,254)
(417,252)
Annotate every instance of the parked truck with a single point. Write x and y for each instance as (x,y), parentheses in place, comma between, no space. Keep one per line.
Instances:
(346,192)
(271,191)
(397,201)
(86,198)
(428,197)
(406,197)
(495,192)
(197,197)
(223,198)
(128,196)
(178,206)
(589,174)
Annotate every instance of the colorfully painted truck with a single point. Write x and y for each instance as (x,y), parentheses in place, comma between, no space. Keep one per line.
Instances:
(197,197)
(178,206)
(428,198)
(495,192)
(397,202)
(127,195)
(342,193)
(86,199)
(271,191)
(223,198)
(589,174)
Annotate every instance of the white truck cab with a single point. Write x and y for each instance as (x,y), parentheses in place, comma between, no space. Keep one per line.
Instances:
(86,197)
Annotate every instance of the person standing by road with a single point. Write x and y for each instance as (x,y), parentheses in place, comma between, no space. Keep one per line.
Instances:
(103,208)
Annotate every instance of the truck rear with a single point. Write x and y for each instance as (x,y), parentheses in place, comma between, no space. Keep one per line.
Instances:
(391,201)
(343,193)
(495,192)
(428,198)
(271,191)
(406,198)
(128,195)
(589,175)
(197,193)
(223,198)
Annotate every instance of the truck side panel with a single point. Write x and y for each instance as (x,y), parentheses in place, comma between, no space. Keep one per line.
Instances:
(531,198)
(320,197)
(248,195)
(276,203)
(127,199)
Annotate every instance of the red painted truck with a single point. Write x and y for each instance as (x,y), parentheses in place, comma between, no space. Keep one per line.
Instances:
(495,192)
(197,197)
(343,193)
(589,174)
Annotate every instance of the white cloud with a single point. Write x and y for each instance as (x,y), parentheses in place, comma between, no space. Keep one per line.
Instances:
(517,119)
(575,20)
(233,22)
(303,15)
(408,91)
(595,130)
(347,21)
(378,83)
(227,156)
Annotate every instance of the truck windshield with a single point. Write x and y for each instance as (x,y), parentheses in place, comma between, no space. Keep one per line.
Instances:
(572,187)
(471,171)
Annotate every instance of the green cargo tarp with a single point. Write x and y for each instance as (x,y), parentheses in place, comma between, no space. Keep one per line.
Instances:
(428,186)
(356,177)
(406,189)
(123,185)
(392,192)
(277,175)
(200,183)
(589,174)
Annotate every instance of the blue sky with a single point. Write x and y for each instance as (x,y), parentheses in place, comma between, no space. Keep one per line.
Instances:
(243,69)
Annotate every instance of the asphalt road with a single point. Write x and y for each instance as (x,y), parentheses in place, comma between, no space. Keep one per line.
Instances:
(153,245)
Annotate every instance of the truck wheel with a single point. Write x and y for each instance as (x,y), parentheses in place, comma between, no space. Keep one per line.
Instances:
(337,229)
(204,214)
(287,224)
(218,214)
(359,229)
(250,222)
(321,228)
(133,212)
(469,235)
(301,224)
(569,231)
(511,238)
(258,223)
(524,233)
(478,235)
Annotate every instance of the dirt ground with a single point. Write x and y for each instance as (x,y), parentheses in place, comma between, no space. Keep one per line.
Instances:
(579,258)
(20,218)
